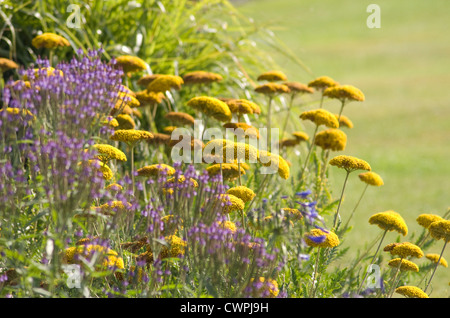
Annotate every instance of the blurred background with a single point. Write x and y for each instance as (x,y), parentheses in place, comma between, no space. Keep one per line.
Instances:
(403,127)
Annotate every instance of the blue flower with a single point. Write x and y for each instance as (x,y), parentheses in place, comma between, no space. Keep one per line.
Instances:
(303,194)
(317,239)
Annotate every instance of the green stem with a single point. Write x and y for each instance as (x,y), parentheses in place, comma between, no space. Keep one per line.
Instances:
(309,152)
(313,285)
(391,292)
(336,215)
(269,124)
(287,115)
(437,264)
(371,262)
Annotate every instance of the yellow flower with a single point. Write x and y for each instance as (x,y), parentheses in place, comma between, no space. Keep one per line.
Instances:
(127,99)
(149,98)
(440,230)
(344,92)
(108,258)
(201,77)
(46,71)
(131,64)
(322,82)
(159,139)
(286,142)
(333,139)
(108,152)
(49,41)
(349,163)
(331,239)
(242,192)
(404,266)
(406,249)
(296,88)
(239,151)
(211,106)
(411,292)
(177,246)
(113,208)
(344,121)
(164,83)
(230,171)
(268,159)
(293,213)
(435,258)
(18,113)
(248,130)
(7,64)
(272,76)
(389,221)
(169,129)
(230,203)
(241,106)
(125,122)
(114,187)
(180,118)
(156,170)
(371,178)
(228,225)
(147,79)
(320,117)
(300,135)
(425,220)
(103,168)
(269,287)
(131,136)
(272,89)
(181,180)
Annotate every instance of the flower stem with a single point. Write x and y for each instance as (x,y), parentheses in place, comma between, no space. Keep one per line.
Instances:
(313,285)
(287,115)
(269,124)
(391,292)
(371,262)
(356,206)
(309,152)
(336,215)
(437,264)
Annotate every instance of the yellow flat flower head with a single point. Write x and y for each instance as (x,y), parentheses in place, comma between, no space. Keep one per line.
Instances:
(131,136)
(230,203)
(149,98)
(389,221)
(272,89)
(404,266)
(320,117)
(426,219)
(298,88)
(349,163)
(300,135)
(344,121)
(7,64)
(228,225)
(268,159)
(125,122)
(344,93)
(440,230)
(322,82)
(411,292)
(107,152)
(49,41)
(272,76)
(104,169)
(212,107)
(407,249)
(201,77)
(131,64)
(163,83)
(242,192)
(332,139)
(230,171)
(371,178)
(330,240)
(156,170)
(435,258)
(268,287)
(180,118)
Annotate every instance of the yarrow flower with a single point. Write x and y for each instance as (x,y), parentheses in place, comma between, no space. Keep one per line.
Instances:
(320,238)
(131,136)
(333,139)
(163,83)
(272,76)
(201,77)
(230,171)
(405,265)
(247,130)
(411,292)
(298,88)
(300,135)
(272,89)
(271,160)
(426,219)
(108,152)
(440,230)
(230,203)
(211,106)
(389,221)
(371,178)
(435,258)
(320,117)
(344,121)
(322,82)
(344,93)
(242,192)
(49,41)
(156,170)
(180,118)
(349,163)
(7,64)
(405,249)
(262,287)
(241,106)
(124,121)
(130,63)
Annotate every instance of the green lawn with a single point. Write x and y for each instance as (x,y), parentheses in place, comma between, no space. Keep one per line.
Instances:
(403,127)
